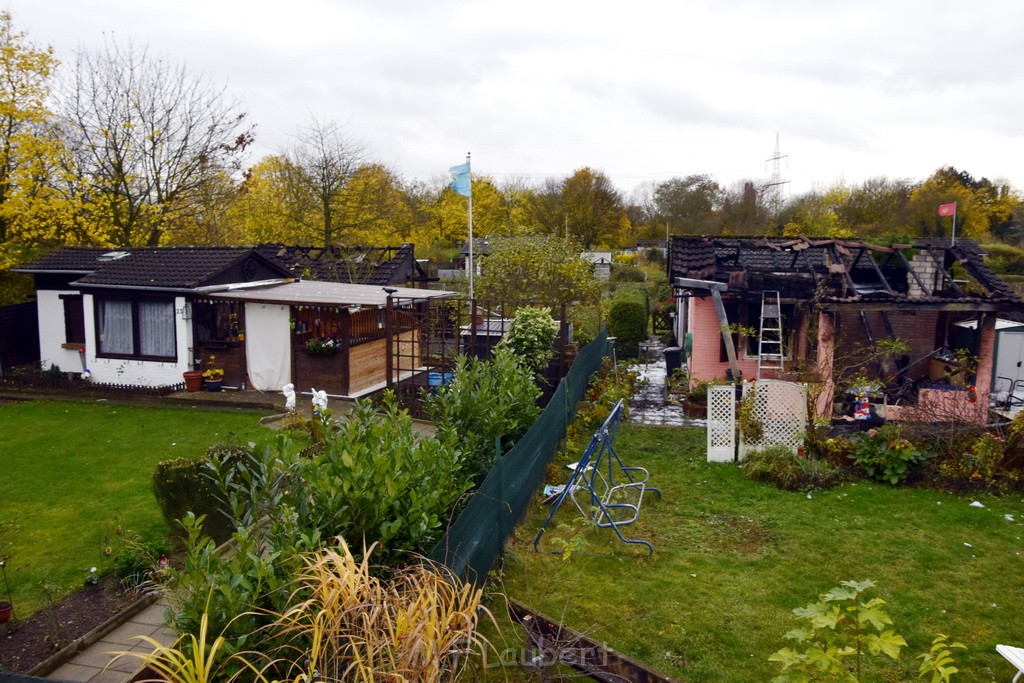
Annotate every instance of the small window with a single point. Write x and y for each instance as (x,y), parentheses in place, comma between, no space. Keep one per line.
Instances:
(74,319)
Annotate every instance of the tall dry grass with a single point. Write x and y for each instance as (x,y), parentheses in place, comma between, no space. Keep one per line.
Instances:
(344,623)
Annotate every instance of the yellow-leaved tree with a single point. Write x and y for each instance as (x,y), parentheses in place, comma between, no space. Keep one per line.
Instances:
(37,210)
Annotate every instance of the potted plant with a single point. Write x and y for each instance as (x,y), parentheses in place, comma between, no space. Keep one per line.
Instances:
(6,609)
(193,380)
(321,346)
(213,375)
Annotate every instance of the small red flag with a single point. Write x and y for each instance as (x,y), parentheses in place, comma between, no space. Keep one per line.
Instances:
(947,209)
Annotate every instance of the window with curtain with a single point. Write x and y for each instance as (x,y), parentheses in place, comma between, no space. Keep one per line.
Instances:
(137,329)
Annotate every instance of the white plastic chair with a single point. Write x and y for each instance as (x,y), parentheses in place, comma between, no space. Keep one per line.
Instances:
(1015,656)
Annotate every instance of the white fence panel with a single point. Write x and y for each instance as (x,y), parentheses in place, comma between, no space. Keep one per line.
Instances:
(781,407)
(721,423)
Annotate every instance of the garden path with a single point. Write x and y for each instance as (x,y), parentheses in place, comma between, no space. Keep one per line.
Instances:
(89,665)
(649,405)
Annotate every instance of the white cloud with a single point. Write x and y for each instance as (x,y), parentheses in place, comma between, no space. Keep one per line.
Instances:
(642,90)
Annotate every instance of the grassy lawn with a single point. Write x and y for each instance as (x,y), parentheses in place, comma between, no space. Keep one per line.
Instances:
(73,473)
(733,558)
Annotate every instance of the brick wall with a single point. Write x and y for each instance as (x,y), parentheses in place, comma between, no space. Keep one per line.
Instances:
(928,270)
(917,328)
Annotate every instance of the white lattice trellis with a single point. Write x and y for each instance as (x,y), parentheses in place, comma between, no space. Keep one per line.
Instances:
(782,408)
(721,423)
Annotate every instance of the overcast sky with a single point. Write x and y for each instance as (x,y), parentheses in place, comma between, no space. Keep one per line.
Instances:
(639,90)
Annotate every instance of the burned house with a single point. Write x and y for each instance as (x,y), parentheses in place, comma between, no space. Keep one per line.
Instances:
(826,312)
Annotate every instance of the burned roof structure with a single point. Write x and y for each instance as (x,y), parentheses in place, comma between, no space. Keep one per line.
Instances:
(925,274)
(351,265)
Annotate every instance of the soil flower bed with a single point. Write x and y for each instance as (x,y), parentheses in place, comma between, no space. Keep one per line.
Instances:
(32,641)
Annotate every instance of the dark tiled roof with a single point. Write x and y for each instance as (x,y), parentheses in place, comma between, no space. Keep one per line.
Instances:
(172,267)
(164,267)
(693,257)
(796,265)
(481,247)
(68,260)
(356,265)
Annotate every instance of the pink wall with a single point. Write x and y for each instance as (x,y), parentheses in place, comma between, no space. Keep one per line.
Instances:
(707,339)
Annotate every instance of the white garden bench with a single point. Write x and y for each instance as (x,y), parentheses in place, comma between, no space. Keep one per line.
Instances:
(1015,656)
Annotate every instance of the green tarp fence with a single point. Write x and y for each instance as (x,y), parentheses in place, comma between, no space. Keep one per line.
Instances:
(477,537)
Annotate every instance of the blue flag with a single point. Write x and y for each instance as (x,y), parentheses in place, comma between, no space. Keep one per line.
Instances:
(460,182)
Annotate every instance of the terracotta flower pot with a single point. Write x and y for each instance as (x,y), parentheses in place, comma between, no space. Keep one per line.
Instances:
(6,609)
(193,380)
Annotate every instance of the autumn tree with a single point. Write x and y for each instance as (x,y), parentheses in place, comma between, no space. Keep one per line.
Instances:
(542,269)
(317,171)
(374,208)
(878,206)
(983,207)
(585,206)
(690,205)
(34,211)
(147,138)
(817,213)
(744,211)
(443,213)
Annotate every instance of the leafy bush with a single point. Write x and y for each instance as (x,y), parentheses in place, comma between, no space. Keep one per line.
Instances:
(789,471)
(376,480)
(627,320)
(183,485)
(1004,259)
(486,400)
(981,463)
(139,555)
(530,336)
(623,273)
(885,455)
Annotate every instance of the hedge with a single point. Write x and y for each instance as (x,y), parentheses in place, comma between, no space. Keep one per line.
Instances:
(627,320)
(183,485)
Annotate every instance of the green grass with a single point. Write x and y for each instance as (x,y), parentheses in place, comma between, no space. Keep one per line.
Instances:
(72,473)
(733,558)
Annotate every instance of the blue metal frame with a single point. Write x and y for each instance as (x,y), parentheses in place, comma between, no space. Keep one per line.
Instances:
(600,452)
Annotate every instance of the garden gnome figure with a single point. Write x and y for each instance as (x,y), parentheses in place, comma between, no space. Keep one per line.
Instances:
(289,396)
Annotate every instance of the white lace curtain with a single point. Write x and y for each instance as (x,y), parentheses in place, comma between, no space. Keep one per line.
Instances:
(116,327)
(156,328)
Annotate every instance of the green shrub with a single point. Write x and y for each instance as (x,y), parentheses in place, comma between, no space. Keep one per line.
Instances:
(789,471)
(530,336)
(885,455)
(183,485)
(1004,259)
(624,273)
(486,400)
(627,320)
(139,556)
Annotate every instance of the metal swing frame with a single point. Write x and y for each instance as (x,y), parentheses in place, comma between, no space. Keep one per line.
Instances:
(612,492)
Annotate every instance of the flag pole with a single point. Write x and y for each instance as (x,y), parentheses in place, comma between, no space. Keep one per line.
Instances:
(469,209)
(952,239)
